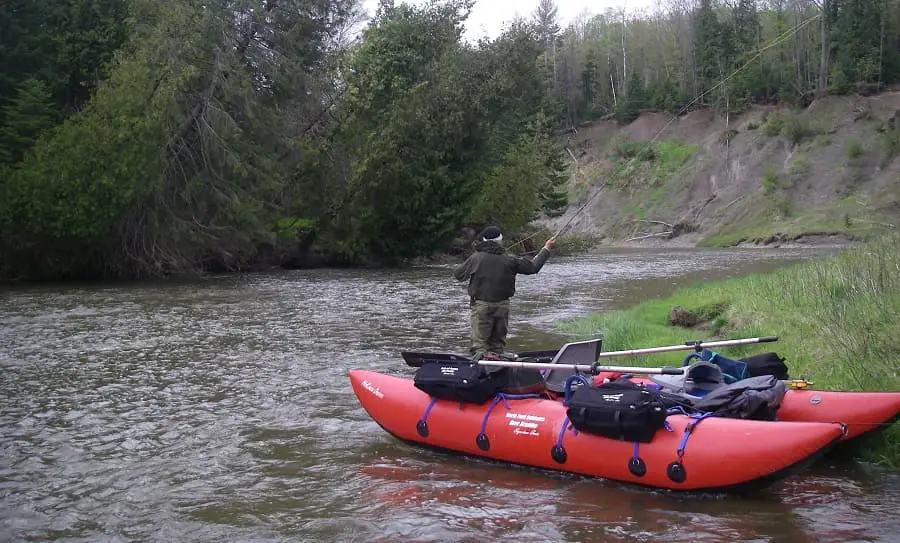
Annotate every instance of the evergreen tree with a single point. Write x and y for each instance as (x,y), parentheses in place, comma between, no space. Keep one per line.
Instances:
(24,118)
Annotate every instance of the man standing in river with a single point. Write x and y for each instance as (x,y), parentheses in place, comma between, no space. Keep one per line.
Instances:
(491,273)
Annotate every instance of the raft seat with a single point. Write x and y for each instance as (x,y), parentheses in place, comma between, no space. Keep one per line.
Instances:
(698,380)
(578,352)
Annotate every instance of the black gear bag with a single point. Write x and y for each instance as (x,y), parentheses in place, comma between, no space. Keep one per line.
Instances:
(618,410)
(766,364)
(465,382)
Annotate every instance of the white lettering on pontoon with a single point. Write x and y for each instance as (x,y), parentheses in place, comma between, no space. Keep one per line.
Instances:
(524,424)
(374,390)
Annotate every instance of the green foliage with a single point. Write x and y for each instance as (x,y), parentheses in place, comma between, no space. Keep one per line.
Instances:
(858,53)
(171,165)
(854,150)
(25,117)
(770,181)
(836,319)
(509,195)
(61,47)
(774,125)
(673,154)
(529,179)
(667,96)
(640,150)
(652,163)
(796,130)
(635,101)
(800,166)
(441,133)
(412,135)
(890,140)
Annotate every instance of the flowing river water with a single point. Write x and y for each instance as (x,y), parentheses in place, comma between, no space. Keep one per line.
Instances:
(219,409)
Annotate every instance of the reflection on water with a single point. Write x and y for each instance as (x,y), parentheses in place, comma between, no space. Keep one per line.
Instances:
(219,409)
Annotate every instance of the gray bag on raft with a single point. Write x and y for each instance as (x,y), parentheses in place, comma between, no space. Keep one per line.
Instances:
(756,398)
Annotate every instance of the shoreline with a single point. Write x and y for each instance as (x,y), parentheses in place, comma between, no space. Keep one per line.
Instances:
(585,244)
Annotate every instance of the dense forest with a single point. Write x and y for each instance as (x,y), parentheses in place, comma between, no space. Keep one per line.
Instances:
(142,138)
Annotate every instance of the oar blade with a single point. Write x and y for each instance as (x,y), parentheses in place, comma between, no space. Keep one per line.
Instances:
(416,359)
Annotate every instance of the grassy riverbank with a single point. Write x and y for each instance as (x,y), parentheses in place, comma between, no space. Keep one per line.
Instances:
(837,319)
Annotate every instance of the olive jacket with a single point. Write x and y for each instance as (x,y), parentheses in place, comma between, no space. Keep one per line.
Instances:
(491,271)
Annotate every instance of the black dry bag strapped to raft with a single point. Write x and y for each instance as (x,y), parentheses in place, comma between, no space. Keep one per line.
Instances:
(458,381)
(618,410)
(766,364)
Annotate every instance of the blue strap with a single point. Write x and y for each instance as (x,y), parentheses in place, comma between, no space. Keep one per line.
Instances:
(562,432)
(635,455)
(500,396)
(688,358)
(487,413)
(678,410)
(697,417)
(428,410)
(569,382)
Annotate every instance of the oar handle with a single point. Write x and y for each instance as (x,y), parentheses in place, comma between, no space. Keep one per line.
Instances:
(764,339)
(585,368)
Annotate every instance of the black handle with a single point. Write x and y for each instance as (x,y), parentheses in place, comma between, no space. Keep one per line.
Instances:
(768,339)
(672,371)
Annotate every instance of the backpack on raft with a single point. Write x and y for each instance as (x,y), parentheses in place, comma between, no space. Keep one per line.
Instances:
(755,398)
(732,370)
(465,382)
(766,364)
(618,410)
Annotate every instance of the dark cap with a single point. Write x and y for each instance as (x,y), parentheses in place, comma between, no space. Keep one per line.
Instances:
(491,232)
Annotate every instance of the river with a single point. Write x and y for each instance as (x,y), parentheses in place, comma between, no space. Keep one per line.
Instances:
(219,409)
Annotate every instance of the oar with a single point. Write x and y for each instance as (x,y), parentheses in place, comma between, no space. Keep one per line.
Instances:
(586,368)
(594,368)
(689,346)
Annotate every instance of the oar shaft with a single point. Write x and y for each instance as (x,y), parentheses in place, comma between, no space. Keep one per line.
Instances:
(689,346)
(587,368)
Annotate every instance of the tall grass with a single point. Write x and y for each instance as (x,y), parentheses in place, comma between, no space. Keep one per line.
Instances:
(837,319)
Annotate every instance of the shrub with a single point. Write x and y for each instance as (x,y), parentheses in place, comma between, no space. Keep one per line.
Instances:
(796,130)
(854,150)
(773,125)
(800,166)
(770,181)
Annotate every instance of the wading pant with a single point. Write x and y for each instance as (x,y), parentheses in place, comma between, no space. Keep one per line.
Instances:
(490,323)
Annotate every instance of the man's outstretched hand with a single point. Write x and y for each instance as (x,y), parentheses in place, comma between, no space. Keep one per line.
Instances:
(549,244)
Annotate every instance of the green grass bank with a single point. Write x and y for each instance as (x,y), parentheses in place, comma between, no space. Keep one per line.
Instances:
(837,319)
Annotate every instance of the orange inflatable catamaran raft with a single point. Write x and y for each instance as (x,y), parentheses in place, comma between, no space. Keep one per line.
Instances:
(693,451)
(691,454)
(862,412)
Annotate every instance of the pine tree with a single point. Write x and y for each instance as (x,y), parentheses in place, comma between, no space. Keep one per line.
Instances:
(28,114)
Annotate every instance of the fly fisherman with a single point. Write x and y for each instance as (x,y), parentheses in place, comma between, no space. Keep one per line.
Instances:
(491,273)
